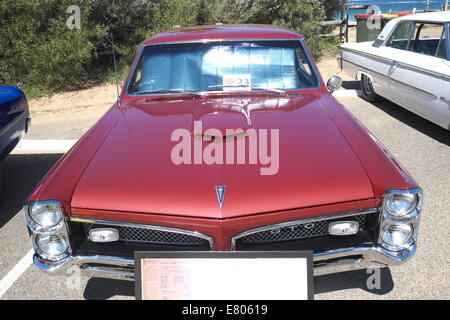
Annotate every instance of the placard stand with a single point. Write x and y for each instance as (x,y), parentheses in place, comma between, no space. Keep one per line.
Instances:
(224,275)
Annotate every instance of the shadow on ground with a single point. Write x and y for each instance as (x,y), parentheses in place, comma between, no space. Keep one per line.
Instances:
(411,119)
(407,117)
(102,288)
(20,173)
(357,279)
(351,85)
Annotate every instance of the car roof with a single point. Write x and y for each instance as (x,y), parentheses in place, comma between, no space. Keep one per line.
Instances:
(223,32)
(440,16)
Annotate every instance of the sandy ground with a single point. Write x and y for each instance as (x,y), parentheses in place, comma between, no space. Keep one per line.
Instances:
(65,114)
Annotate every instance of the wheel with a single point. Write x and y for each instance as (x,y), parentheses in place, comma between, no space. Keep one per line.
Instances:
(367,91)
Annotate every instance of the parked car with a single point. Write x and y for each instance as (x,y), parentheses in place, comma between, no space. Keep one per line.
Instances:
(14,118)
(408,64)
(130,185)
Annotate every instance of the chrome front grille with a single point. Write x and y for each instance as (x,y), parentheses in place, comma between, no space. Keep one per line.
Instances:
(153,234)
(297,230)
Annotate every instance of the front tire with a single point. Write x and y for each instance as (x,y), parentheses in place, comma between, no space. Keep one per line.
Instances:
(367,91)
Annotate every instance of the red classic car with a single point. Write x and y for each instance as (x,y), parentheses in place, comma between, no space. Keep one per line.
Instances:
(224,138)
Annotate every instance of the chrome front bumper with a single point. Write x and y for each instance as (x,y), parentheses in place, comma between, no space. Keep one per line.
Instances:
(332,261)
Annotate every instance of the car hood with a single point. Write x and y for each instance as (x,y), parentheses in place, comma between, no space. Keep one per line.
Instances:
(134,171)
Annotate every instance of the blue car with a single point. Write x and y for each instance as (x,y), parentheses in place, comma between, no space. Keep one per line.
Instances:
(14,118)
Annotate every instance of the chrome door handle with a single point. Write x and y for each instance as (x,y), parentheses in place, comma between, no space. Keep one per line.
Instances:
(394,66)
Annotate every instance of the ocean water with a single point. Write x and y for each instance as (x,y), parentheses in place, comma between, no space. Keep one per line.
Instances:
(394,5)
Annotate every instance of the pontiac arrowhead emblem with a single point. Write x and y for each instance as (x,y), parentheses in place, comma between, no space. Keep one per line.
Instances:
(220,192)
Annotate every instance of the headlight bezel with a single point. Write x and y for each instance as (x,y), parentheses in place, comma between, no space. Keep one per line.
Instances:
(46,256)
(411,218)
(36,230)
(34,225)
(411,213)
(390,245)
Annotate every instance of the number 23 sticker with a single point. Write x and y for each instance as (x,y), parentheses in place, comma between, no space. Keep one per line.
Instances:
(237,80)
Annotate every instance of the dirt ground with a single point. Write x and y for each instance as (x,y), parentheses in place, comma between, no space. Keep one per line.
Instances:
(66,114)
(328,66)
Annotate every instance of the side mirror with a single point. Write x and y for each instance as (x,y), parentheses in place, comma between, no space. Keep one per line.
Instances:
(334,83)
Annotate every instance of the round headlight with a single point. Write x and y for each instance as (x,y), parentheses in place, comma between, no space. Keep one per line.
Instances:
(46,214)
(396,234)
(400,204)
(52,244)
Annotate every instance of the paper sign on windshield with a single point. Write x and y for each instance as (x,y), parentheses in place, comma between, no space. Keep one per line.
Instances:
(242,81)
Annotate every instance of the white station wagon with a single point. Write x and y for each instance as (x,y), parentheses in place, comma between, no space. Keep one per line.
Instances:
(408,64)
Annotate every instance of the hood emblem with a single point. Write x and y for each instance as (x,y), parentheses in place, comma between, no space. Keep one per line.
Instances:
(220,192)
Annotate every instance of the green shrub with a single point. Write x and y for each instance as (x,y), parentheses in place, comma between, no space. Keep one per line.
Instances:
(40,54)
(38,51)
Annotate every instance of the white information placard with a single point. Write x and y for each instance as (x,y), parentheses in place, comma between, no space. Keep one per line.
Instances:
(224,276)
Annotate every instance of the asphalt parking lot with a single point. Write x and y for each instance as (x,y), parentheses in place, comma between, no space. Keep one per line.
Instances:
(420,146)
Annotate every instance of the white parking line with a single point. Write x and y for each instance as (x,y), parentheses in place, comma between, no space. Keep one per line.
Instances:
(45,145)
(15,272)
(347,93)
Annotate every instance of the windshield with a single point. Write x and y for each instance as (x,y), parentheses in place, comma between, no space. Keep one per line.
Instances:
(223,66)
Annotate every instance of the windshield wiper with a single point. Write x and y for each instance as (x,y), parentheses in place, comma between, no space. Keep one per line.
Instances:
(251,87)
(169,91)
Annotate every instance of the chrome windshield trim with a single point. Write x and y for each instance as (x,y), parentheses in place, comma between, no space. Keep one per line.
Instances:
(300,221)
(147,226)
(447,38)
(221,40)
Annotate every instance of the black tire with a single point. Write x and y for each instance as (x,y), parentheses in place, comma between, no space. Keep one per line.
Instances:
(367,91)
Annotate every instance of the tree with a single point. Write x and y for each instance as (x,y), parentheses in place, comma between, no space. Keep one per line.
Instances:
(38,50)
